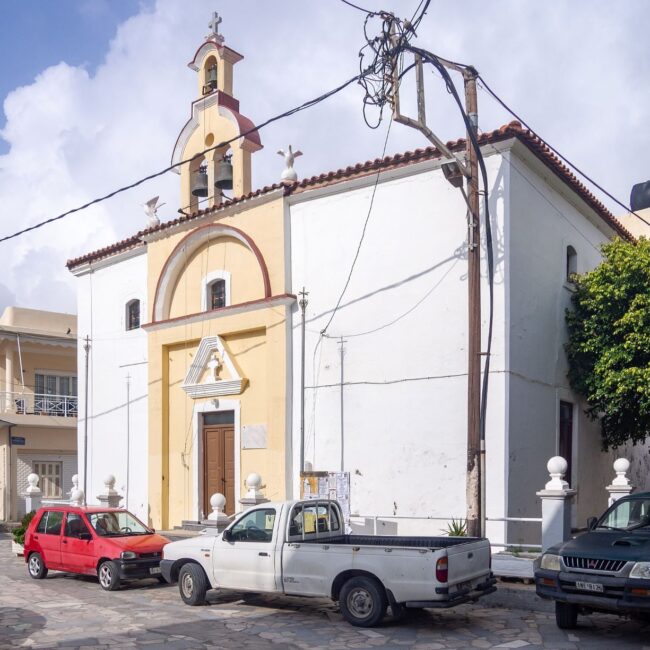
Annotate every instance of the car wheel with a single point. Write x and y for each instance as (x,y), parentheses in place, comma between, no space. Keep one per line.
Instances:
(192,584)
(566,615)
(36,567)
(108,575)
(363,601)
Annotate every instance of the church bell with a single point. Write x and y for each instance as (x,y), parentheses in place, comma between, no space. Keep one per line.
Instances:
(200,185)
(223,175)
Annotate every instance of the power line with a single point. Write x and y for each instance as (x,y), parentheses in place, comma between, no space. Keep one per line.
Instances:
(363,235)
(557,153)
(351,4)
(292,111)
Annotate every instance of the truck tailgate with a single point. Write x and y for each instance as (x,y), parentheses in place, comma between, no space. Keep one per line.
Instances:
(468,561)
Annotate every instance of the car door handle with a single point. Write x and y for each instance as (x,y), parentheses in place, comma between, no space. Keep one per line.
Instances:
(64,541)
(35,536)
(263,554)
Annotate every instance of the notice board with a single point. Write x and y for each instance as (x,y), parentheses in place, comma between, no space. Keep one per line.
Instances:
(334,486)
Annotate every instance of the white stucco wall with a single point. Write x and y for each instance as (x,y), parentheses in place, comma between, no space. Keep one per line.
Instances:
(404,324)
(542,223)
(115,354)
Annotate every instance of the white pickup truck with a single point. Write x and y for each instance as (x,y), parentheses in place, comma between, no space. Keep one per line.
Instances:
(299,548)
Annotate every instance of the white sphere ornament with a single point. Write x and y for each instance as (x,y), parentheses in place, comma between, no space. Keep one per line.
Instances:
(557,467)
(621,467)
(32,482)
(253,481)
(218,501)
(109,481)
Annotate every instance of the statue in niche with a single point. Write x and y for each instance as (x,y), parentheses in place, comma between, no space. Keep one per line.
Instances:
(213,368)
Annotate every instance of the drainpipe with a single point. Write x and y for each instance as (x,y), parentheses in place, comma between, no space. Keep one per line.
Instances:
(87,350)
(20,361)
(9,497)
(303,306)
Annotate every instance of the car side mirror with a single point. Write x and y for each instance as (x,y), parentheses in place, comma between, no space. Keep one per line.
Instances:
(86,536)
(591,523)
(226,535)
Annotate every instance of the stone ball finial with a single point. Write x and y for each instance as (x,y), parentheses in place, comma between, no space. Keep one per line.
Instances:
(557,467)
(253,481)
(109,481)
(77,497)
(75,481)
(621,467)
(32,482)
(218,501)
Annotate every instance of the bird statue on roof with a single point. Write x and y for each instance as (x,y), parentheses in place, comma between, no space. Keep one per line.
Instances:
(289,173)
(151,210)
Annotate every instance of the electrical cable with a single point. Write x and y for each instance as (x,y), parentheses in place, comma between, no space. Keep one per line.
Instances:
(363,235)
(292,111)
(351,4)
(627,208)
(451,88)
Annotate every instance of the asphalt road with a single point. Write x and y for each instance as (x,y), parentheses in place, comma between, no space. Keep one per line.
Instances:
(65,611)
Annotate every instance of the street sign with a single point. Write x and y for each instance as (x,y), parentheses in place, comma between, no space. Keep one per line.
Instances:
(17,440)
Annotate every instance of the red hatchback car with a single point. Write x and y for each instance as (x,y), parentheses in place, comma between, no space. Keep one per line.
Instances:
(107,542)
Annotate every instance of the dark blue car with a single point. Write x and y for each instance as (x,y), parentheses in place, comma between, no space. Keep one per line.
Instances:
(606,569)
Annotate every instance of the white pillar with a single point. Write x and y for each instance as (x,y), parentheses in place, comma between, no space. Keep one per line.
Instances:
(556,504)
(254,494)
(110,498)
(32,494)
(621,485)
(9,379)
(217,518)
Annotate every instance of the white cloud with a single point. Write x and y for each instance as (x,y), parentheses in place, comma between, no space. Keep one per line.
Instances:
(574,69)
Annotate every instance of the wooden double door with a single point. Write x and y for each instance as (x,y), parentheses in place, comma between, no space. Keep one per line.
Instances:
(218,436)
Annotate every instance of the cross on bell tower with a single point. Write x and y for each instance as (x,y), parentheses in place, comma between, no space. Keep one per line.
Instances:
(214,26)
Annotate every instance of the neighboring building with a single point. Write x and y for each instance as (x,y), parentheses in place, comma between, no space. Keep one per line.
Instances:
(220,331)
(38,405)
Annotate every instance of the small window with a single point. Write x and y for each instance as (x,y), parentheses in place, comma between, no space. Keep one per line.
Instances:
(133,314)
(256,526)
(571,263)
(50,474)
(50,523)
(313,519)
(75,526)
(217,294)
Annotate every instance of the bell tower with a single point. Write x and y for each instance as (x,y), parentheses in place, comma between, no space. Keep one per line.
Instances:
(215,118)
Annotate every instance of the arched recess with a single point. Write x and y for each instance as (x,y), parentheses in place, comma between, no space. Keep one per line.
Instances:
(185,248)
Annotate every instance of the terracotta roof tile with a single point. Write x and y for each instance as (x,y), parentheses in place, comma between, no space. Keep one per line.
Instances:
(514,129)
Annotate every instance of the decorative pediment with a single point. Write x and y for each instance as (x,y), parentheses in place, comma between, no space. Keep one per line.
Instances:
(212,373)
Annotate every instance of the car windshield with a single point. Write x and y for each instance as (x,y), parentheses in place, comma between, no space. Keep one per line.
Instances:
(628,514)
(114,524)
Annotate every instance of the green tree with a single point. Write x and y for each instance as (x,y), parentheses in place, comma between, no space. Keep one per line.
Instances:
(609,342)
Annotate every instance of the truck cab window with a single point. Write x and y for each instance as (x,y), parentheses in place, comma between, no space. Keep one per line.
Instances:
(255,526)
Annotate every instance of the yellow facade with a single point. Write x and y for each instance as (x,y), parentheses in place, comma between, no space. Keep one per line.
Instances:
(246,243)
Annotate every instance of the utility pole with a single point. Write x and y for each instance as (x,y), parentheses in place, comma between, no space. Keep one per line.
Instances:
(87,350)
(454,171)
(302,303)
(474,313)
(128,435)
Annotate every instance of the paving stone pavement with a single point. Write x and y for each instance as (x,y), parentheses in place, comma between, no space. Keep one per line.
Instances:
(65,611)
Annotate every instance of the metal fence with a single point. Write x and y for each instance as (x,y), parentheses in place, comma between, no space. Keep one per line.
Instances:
(23,403)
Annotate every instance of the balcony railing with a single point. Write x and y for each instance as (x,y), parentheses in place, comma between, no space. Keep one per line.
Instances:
(39,404)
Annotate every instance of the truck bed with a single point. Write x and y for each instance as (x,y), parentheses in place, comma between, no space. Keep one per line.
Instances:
(392,540)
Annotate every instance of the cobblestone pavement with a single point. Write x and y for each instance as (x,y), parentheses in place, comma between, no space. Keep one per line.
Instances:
(65,611)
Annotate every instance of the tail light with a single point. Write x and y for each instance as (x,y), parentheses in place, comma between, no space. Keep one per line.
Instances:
(442,570)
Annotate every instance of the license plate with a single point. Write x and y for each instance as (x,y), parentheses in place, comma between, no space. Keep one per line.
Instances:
(154,570)
(590,586)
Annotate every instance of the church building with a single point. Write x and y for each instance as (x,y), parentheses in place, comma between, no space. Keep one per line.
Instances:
(201,372)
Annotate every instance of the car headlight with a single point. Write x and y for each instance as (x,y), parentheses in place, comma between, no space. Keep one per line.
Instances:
(128,555)
(550,562)
(641,570)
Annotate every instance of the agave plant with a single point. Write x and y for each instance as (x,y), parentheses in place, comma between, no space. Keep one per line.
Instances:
(456,528)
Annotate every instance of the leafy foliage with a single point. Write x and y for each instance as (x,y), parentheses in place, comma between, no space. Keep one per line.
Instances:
(609,342)
(456,528)
(19,533)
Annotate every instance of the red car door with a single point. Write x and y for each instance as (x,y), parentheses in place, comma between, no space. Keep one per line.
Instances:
(48,537)
(77,546)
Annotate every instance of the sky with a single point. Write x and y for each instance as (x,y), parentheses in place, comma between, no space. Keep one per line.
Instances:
(95,92)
